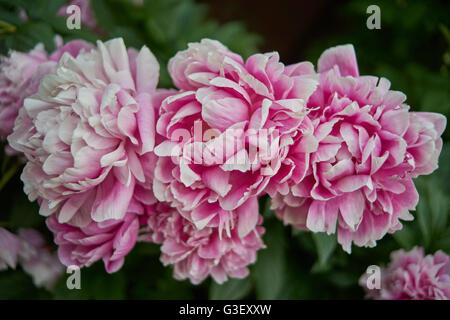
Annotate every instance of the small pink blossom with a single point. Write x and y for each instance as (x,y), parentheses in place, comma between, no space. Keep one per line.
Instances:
(38,260)
(29,249)
(20,75)
(16,71)
(10,247)
(363,147)
(203,61)
(196,254)
(413,276)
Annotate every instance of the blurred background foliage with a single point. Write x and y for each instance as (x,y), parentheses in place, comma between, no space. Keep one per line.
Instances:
(412,49)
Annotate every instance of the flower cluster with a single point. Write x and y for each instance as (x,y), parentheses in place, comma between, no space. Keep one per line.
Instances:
(413,276)
(112,159)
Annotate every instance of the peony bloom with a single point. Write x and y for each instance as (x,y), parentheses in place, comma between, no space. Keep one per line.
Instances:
(10,247)
(195,254)
(413,276)
(365,146)
(16,71)
(236,122)
(84,133)
(30,250)
(20,74)
(38,261)
(200,63)
(109,240)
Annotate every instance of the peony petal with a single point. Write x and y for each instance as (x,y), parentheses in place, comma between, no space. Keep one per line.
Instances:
(247,217)
(146,123)
(147,71)
(112,199)
(351,206)
(343,57)
(217,180)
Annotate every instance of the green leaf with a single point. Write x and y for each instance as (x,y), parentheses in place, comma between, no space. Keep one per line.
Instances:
(423,212)
(235,36)
(298,282)
(15,284)
(406,237)
(108,286)
(131,38)
(432,210)
(29,34)
(264,205)
(444,169)
(233,289)
(343,279)
(325,244)
(305,240)
(10,17)
(443,243)
(103,14)
(269,270)
(25,214)
(156,31)
(438,207)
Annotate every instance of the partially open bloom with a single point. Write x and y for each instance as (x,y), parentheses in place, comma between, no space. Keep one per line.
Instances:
(413,276)
(367,148)
(15,77)
(85,131)
(194,67)
(196,254)
(236,122)
(110,240)
(20,75)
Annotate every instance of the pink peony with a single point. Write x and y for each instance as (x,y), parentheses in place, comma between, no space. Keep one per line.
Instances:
(85,132)
(16,71)
(413,276)
(364,147)
(110,240)
(10,247)
(195,254)
(30,250)
(237,122)
(20,74)
(203,61)
(38,260)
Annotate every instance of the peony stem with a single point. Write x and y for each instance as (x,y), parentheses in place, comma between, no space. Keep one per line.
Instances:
(9,174)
